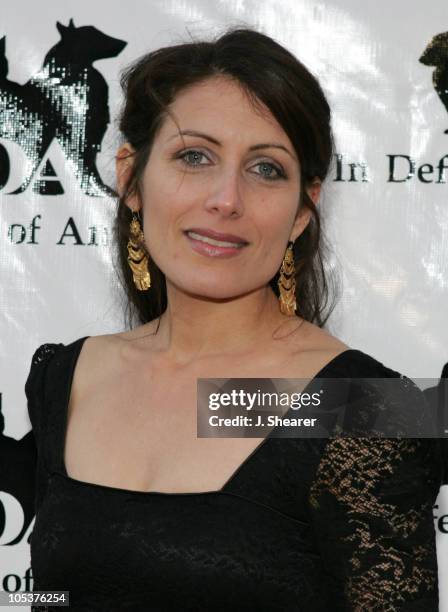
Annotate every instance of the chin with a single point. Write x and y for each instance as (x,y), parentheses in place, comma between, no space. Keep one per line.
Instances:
(213,290)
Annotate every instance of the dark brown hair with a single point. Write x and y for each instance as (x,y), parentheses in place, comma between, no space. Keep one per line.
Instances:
(268,73)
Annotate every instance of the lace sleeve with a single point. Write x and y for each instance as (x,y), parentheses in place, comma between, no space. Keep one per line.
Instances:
(371,504)
(35,394)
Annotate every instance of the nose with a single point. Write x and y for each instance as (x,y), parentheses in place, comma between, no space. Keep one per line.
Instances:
(225,195)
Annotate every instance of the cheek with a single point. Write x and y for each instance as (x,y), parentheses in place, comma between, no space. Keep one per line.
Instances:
(166,214)
(275,221)
(267,257)
(274,229)
(162,205)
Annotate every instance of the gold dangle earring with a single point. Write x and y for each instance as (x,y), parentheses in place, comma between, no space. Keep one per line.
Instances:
(137,258)
(287,283)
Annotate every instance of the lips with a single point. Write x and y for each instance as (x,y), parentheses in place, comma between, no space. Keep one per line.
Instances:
(209,233)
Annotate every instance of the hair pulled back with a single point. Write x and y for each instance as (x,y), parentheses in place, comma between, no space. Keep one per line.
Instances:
(268,73)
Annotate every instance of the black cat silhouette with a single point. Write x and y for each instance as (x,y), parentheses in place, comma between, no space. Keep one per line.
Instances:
(436,54)
(67,100)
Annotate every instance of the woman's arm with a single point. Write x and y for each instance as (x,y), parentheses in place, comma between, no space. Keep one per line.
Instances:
(35,386)
(371,505)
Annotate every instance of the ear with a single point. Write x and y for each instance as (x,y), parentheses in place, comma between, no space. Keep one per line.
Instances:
(71,25)
(124,161)
(304,214)
(61,28)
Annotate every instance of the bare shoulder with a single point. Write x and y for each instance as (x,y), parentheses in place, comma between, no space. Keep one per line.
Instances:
(106,343)
(104,356)
(311,347)
(321,340)
(303,336)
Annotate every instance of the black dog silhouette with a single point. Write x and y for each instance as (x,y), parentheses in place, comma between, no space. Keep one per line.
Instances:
(67,100)
(17,475)
(437,398)
(436,54)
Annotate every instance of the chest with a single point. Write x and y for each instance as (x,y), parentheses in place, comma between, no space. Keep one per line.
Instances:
(192,552)
(139,431)
(141,434)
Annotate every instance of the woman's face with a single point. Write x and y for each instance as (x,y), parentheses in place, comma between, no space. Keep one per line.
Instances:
(232,171)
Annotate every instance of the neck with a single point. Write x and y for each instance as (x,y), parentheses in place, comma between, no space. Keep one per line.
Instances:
(194,327)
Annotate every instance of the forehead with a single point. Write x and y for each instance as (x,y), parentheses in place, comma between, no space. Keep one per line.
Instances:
(221,105)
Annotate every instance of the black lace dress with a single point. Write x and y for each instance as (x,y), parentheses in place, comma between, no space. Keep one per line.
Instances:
(308,525)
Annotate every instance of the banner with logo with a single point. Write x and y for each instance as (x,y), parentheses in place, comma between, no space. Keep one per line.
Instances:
(384,205)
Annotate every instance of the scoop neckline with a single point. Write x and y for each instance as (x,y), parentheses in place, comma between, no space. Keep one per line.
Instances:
(78,344)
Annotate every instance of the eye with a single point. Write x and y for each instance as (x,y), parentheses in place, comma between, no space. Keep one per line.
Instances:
(192,157)
(267,169)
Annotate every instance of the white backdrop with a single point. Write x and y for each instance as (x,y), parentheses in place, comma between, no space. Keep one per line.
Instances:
(384,204)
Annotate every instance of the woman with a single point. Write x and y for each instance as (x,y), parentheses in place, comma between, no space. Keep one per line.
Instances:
(226,146)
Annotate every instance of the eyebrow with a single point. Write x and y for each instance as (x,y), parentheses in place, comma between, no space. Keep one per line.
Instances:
(265,145)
